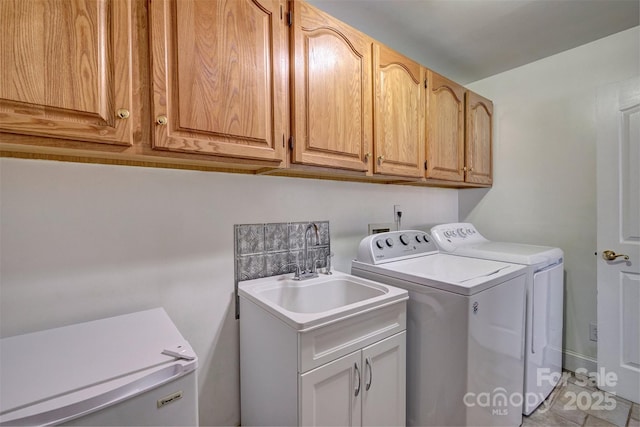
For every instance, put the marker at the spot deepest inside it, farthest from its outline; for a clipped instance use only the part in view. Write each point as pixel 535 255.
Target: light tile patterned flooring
pixel 577 402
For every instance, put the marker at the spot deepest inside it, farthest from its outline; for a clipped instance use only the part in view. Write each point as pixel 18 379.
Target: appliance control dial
pixel 404 239
pixel 461 232
pixel 425 238
pixel 380 244
pixel 389 242
pixel 418 238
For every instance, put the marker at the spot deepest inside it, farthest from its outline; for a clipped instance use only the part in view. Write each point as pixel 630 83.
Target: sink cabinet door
pixel 332 102
pixel 328 393
pixel 384 372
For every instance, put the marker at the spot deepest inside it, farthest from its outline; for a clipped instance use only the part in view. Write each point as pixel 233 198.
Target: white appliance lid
pixel 461 275
pixel 77 361
pixel 518 253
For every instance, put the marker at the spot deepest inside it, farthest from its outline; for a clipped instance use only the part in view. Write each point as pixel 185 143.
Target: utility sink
pixel 305 304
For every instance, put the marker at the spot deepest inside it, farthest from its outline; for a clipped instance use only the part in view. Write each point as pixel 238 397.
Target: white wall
pixel 545 164
pixel 82 241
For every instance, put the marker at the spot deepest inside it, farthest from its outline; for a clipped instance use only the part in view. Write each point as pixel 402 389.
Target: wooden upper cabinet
pixel 398 114
pixel 479 137
pixel 445 128
pixel 65 69
pixel 219 77
pixel 332 91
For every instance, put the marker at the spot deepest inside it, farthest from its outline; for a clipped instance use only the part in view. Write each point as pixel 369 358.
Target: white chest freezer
pixel 134 369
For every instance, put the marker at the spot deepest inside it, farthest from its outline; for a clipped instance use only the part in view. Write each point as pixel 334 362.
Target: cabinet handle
pixel 370 366
pixel 380 160
pixel 162 120
pixel 357 388
pixel 122 113
pixel 367 156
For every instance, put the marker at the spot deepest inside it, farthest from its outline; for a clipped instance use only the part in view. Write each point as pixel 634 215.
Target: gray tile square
pixel 597 422
pixel 635 412
pixel 276 237
pixel 296 235
pixel 546 419
pixel 277 264
pixel 324 232
pixel 616 413
pixel 565 405
pixel 251 267
pixel 249 239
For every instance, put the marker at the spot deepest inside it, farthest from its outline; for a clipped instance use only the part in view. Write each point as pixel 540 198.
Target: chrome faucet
pixel 308 273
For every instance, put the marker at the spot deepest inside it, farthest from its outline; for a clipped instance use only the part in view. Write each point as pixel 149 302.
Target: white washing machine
pixel 544 285
pixel 465 329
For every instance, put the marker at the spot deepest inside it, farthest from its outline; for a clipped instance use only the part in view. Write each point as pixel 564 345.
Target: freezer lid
pixel 82 361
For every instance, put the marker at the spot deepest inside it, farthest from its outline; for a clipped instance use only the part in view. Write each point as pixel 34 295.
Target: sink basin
pixel 310 303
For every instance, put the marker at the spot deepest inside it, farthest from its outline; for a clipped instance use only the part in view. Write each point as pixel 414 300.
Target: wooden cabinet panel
pixel 219 81
pixel 398 114
pixel 479 137
pixel 332 94
pixel 445 128
pixel 65 69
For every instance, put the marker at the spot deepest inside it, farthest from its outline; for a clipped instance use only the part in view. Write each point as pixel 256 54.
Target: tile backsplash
pixel 263 250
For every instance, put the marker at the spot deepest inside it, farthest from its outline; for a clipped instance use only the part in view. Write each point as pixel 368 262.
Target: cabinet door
pixel 398 114
pixel 330 394
pixel 219 77
pixel 332 101
pixel 384 382
pixel 445 128
pixel 65 69
pixel 479 137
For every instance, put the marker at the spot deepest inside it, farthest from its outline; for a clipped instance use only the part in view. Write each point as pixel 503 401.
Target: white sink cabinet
pixel 348 372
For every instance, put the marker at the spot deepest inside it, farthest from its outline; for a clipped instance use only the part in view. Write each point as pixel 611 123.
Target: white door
pixel 618 164
pixel 331 394
pixel 384 382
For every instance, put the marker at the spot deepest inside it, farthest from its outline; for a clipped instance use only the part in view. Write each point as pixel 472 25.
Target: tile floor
pixel 577 402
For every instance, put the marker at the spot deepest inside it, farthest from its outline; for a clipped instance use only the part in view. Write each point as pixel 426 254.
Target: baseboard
pixel 572 361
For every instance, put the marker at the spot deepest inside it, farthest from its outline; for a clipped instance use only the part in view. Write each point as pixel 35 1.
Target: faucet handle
pixel 297 275
pixel 327 262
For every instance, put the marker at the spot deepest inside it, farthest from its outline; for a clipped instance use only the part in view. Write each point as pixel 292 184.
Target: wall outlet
pixel 396 209
pixel 397 216
pixel 593 331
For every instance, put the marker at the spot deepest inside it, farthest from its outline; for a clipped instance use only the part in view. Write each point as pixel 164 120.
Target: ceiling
pixel 468 40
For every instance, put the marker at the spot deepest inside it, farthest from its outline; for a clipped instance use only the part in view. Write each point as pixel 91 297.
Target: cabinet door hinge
pixel 289 18
pixel 425 165
pixel 291 142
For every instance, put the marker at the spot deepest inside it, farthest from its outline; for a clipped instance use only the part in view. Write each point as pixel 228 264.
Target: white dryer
pixel 465 329
pixel 544 285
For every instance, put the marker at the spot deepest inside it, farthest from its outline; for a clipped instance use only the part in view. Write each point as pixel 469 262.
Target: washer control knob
pixel 418 239
pixel 389 242
pixel 425 238
pixel 404 239
pixel 461 232
pixel 447 234
pixel 380 244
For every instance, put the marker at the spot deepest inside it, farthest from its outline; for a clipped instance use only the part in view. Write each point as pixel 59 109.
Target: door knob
pixel 611 255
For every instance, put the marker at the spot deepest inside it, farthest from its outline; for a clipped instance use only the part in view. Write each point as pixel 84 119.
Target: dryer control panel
pixel 395 246
pixel 451 236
